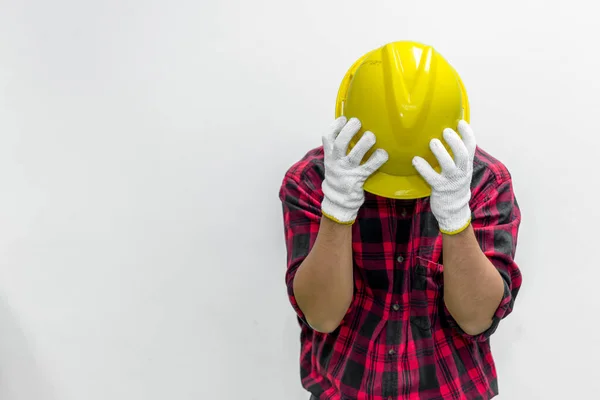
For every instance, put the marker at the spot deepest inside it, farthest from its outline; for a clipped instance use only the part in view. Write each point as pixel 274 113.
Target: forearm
pixel 324 284
pixel 473 287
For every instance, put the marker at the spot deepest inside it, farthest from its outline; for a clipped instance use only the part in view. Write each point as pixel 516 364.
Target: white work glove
pixel 344 174
pixel 451 190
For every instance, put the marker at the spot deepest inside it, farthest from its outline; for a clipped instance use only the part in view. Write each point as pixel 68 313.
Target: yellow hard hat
pixel 406 94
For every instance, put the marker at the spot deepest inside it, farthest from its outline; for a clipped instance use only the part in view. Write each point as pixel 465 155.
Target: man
pixel 398 294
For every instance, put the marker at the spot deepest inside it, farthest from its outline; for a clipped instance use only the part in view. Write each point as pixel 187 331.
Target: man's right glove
pixel 344 173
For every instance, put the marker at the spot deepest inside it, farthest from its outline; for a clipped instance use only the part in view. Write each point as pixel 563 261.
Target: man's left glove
pixel 451 190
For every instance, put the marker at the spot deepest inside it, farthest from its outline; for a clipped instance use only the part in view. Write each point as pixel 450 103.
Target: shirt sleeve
pixel 496 221
pixel 301 200
pixel 301 220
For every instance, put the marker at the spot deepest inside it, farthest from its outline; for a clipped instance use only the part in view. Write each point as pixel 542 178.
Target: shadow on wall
pixel 21 378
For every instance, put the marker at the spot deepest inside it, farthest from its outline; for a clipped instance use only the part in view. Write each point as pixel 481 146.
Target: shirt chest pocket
pixel 426 292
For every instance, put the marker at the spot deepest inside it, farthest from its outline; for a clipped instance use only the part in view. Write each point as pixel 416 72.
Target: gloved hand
pixel 344 174
pixel 451 190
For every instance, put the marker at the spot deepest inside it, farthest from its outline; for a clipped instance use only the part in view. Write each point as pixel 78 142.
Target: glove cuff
pixel 337 213
pixel 458 222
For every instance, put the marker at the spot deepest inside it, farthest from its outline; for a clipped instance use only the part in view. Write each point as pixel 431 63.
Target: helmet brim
pixel 398 187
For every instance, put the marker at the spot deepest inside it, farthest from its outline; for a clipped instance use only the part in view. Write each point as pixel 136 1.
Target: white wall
pixel 128 272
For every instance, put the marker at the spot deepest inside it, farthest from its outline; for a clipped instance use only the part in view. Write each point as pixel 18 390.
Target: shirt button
pixel 396 307
pixel 403 213
pixel 400 259
pixel 392 352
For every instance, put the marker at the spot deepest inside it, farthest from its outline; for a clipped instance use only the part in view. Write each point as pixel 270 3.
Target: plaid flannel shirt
pixel 398 340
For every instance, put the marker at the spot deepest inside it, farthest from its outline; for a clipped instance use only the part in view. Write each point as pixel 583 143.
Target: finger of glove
pixel 468 137
pixel 332 133
pixel 426 171
pixel 340 146
pixel 377 159
pixel 442 155
pixel 461 154
pixel 361 148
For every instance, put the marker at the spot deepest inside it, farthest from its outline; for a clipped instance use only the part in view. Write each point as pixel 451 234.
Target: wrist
pixel 330 228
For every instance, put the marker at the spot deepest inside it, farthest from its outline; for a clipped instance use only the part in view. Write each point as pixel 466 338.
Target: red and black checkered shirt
pixel 398 340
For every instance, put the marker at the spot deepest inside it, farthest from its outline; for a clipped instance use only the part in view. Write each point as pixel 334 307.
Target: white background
pixel 142 145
